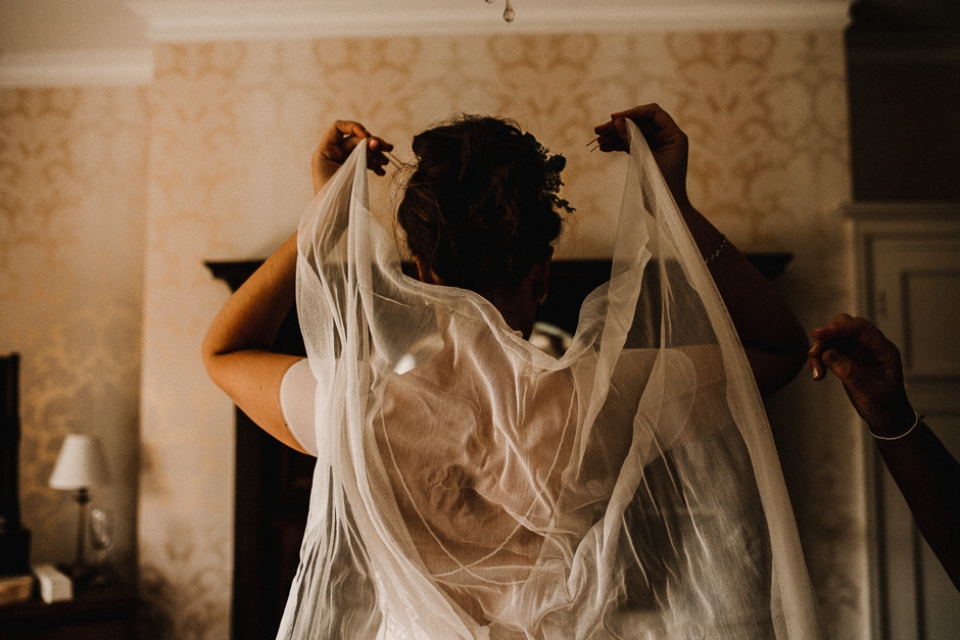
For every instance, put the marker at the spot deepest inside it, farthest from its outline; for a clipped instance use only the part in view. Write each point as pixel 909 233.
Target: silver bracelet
pixel 716 252
pixel 902 435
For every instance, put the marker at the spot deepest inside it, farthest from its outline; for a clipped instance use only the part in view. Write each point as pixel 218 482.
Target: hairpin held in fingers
pixel 393 160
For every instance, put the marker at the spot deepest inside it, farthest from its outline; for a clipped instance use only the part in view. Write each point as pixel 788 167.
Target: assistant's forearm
pixel 929 478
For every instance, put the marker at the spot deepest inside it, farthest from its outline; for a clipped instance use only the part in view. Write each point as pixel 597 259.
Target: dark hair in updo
pixel 474 210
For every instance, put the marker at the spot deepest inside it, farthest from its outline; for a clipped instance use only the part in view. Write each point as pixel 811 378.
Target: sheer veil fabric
pixel 469 485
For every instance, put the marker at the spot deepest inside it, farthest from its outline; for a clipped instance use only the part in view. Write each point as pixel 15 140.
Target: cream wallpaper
pixel 228 129
pixel 72 212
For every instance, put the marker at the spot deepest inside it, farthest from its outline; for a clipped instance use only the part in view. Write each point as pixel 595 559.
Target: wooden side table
pixel 91 615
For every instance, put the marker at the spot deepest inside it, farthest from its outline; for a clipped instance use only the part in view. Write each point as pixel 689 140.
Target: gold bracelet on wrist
pixel 716 252
pixel 916 421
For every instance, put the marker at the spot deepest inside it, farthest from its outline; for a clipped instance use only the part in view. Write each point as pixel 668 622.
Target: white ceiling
pixel 109 41
pixel 68 24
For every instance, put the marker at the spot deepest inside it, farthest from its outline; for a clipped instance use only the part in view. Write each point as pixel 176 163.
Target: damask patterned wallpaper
pixel 229 129
pixel 72 205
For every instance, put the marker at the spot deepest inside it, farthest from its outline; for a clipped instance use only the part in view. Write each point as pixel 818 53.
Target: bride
pixel 469 485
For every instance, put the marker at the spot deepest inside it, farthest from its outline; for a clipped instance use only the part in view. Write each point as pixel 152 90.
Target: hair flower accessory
pixel 553 165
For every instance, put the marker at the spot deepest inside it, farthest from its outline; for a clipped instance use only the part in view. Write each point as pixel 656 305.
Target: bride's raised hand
pixel 336 146
pixel 668 143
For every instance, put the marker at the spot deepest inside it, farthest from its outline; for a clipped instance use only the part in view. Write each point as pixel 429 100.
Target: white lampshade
pixel 80 465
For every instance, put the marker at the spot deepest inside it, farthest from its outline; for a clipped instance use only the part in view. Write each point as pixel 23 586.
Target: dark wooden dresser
pixel 91 615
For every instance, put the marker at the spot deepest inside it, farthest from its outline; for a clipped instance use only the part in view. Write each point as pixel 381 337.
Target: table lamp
pixel 80 465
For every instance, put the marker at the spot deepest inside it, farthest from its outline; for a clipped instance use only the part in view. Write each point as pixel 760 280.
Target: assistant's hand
pixel 668 143
pixel 337 144
pixel 869 367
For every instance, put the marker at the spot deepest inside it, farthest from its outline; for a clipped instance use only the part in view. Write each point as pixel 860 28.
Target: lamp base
pixel 78 570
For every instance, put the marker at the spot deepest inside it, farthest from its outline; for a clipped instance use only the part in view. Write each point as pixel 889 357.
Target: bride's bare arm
pixel 236 349
pixel 772 336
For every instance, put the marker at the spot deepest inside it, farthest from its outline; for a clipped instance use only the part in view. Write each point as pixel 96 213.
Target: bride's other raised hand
pixel 667 141
pixel 336 146
pixel 772 336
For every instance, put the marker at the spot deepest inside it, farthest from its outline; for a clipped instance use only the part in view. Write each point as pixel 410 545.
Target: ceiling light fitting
pixel 508 12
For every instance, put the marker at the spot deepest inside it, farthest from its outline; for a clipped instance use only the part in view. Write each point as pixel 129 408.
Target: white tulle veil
pixel 469 485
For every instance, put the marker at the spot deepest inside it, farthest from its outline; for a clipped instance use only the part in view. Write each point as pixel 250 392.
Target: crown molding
pixel 218 20
pixel 81 67
pixel 224 20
